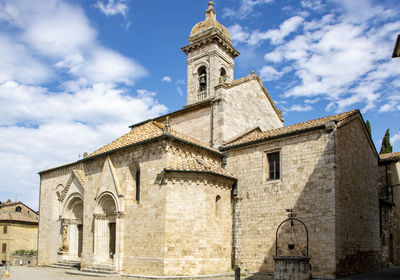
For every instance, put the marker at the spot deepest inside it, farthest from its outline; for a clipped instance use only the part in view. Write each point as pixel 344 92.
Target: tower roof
pixel 210 23
pixel 210 30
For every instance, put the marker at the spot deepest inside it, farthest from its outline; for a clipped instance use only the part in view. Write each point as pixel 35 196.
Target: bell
pixel 202 80
pixel 291 246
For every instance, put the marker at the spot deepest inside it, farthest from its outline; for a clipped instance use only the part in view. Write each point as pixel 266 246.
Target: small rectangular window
pixel 4 248
pixel 4 229
pixel 137 185
pixel 274 166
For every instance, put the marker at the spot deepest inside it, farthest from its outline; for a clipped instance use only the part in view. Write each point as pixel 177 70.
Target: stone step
pixel 102 269
pixel 67 264
pixel 93 273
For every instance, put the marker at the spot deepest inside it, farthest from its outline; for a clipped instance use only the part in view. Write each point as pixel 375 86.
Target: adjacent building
pixel 18 229
pixel 203 189
pixel 389 167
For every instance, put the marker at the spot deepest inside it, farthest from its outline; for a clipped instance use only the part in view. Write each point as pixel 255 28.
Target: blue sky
pixel 75 74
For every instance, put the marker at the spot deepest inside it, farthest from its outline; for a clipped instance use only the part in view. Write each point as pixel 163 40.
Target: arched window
pixel 202 72
pixel 218 206
pixel 18 209
pixel 222 75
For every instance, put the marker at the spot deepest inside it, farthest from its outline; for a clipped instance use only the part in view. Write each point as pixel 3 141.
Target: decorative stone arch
pixel 58 191
pixel 72 227
pixel 104 200
pixel 107 230
pixel 199 65
pixel 201 75
pixel 223 74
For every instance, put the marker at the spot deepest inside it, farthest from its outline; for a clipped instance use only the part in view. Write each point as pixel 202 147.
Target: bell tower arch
pixel 210 58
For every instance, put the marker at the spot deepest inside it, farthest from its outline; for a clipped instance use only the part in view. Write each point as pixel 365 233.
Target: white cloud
pixel 180 91
pixel 237 33
pixel 312 101
pixel 245 9
pixel 60 126
pixel 52 42
pixel 61 33
pixel 315 5
pixel 395 138
pixel 276 36
pixel 300 108
pixel 18 63
pixel 167 79
pixel 112 7
pixel 336 58
pixel 268 73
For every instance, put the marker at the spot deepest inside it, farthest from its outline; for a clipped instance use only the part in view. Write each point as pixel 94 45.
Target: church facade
pixel 203 189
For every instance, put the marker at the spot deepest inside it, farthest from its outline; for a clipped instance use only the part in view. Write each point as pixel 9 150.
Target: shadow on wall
pixel 337 249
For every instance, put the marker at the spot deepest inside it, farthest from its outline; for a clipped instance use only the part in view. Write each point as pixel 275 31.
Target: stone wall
pixel 390 212
pixel 17 260
pixel 50 209
pixel 196 123
pixel 140 228
pixel 198 224
pixel 140 224
pixel 19 236
pixel 357 200
pixel 307 186
pixel 244 106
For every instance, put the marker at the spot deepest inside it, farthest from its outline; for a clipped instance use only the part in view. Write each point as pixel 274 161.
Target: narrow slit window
pixel 4 248
pixel 274 166
pixel 5 229
pixel 218 206
pixel 137 185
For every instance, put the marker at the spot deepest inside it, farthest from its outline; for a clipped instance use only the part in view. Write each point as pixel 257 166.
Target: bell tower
pixel 210 58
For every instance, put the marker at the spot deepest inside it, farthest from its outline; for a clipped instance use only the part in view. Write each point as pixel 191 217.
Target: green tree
pixel 368 128
pixel 386 147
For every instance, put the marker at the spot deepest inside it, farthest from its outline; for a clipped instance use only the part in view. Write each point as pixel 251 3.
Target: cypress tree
pixel 368 128
pixel 386 147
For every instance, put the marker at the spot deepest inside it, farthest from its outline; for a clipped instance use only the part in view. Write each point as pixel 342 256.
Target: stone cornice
pixel 206 39
pixel 214 180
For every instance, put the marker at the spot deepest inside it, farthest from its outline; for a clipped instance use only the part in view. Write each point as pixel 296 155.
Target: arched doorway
pixel 72 227
pixel 105 229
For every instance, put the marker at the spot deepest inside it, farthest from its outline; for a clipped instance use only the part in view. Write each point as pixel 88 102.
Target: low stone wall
pixel 23 260
pixel 292 268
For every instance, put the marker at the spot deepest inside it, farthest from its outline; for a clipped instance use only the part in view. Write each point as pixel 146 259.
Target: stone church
pixel 204 188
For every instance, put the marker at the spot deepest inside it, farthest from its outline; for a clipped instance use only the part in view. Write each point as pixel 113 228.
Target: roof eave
pixel 269 138
pixel 199 172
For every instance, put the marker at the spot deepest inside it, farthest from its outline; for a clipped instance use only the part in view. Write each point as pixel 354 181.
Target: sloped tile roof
pixel 390 157
pixel 287 130
pixel 145 132
pixel 199 165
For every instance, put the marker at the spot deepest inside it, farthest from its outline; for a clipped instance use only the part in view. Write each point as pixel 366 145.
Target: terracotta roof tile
pixel 390 157
pixel 291 128
pixel 144 132
pixel 199 165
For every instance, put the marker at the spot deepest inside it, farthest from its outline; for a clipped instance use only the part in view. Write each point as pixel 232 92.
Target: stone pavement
pixel 49 273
